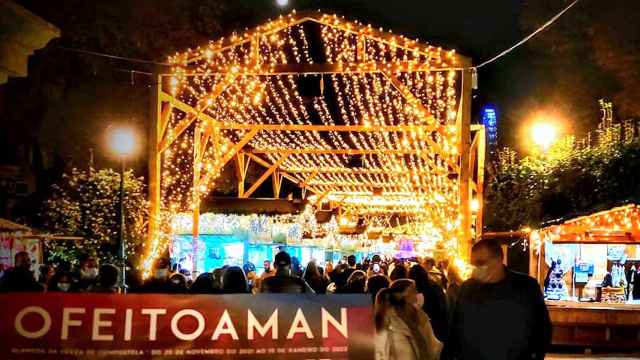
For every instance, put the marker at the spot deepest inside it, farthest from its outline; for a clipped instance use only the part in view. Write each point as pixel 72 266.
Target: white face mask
pixel 64 286
pixel 89 274
pixel 481 273
pixel 160 274
pixel 420 300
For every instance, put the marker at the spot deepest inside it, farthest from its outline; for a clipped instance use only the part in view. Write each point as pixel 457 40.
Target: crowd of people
pixel 423 309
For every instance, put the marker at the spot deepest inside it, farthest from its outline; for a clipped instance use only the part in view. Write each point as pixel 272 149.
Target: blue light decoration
pixel 490 122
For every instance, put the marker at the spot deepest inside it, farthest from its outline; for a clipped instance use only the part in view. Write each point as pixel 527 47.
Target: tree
pixel 567 181
pixel 591 52
pixel 86 204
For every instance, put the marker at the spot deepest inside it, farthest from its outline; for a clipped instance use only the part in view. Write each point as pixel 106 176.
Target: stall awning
pixel 6 225
pixel 619 225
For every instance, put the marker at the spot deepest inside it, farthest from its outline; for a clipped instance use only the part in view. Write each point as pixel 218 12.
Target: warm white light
pixel 475 205
pixel 282 3
pixel 544 134
pixel 122 141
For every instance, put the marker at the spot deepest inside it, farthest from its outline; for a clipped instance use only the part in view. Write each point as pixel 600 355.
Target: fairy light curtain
pixel 390 101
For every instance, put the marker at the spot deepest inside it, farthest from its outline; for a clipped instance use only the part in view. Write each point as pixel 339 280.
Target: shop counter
pixel 595 324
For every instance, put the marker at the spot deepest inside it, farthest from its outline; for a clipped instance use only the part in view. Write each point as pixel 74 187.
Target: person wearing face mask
pixel 435 300
pixel 87 273
pixel 159 281
pixel 499 314
pixel 20 277
pixel 61 282
pixel 283 281
pixel 403 330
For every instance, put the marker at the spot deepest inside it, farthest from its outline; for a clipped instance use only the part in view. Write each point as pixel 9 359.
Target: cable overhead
pixel 483 64
pixel 543 27
pixel 116 57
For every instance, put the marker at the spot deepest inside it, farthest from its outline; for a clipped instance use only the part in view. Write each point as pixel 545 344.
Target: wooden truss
pixel 466 163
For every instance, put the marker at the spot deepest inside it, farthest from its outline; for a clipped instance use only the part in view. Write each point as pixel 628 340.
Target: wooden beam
pixel 277 183
pixel 242 166
pixel 482 141
pixel 336 151
pixel 164 117
pixel 286 175
pixel 366 67
pixel 417 103
pixel 155 166
pixel 363 184
pixel 356 171
pixel 463 127
pixel 327 128
pixel 473 150
pixel 232 152
pixel 264 177
pixel 350 27
pixel 193 113
pixel 321 197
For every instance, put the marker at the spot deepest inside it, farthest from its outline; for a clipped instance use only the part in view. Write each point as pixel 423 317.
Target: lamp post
pixel 122 142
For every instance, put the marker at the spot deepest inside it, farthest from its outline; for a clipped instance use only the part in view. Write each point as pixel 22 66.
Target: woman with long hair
pixel 356 283
pixel 435 300
pixel 403 330
pixel 317 281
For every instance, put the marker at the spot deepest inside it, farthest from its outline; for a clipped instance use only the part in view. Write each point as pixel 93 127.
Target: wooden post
pixel 482 143
pixel 464 129
pixel 196 198
pixel 242 165
pixel 277 184
pixel 155 129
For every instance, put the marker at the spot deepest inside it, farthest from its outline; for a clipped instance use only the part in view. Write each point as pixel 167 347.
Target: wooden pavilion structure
pixel 308 95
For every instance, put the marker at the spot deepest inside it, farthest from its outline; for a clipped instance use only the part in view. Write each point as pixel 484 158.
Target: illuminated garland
pixel 232 82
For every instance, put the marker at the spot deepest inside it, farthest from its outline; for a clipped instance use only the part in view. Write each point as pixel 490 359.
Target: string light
pixel 377 79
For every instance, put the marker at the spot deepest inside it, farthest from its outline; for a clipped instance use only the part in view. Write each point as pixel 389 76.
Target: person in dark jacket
pixel 108 277
pixel 178 284
pixel 376 283
pixel 283 281
pixel 20 277
pixel 435 300
pixel 159 281
pixel 234 281
pixel 499 314
pixel 315 279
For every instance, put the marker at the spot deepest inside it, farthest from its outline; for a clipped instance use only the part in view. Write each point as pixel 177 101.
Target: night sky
pixel 534 76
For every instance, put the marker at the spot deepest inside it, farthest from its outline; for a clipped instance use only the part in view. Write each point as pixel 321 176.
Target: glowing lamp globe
pixel 544 134
pixel 122 142
pixel 282 3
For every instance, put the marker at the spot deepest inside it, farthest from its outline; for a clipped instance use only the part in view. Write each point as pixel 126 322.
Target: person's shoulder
pixel 518 276
pixel 523 279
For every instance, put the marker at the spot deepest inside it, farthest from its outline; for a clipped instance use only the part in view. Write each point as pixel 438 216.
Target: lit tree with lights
pixel 85 204
pixel 572 177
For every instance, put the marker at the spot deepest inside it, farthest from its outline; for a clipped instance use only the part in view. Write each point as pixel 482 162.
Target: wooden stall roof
pixel 619 225
pixel 6 225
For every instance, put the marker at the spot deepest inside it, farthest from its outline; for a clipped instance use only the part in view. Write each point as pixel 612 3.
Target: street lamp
pixel 282 3
pixel 544 134
pixel 122 143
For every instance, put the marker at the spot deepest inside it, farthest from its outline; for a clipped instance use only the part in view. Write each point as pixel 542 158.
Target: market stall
pixel 589 270
pixel 15 238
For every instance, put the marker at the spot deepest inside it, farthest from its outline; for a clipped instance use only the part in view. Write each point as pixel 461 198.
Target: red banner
pixel 274 326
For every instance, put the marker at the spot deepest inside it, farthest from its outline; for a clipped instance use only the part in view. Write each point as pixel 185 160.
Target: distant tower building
pixel 490 122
